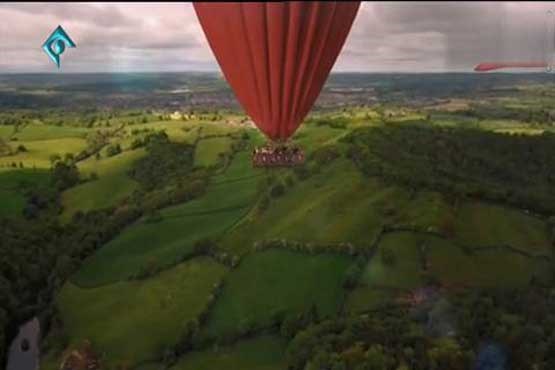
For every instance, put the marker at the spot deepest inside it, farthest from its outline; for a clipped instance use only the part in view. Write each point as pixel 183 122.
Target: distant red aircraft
pixel 491 66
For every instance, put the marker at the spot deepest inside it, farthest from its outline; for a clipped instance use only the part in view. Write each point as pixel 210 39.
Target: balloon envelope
pixel 276 56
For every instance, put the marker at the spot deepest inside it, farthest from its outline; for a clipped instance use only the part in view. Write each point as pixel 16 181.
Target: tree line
pixel 503 329
pixel 512 169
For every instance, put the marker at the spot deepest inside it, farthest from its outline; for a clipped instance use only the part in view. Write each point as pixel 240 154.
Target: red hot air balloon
pixel 276 56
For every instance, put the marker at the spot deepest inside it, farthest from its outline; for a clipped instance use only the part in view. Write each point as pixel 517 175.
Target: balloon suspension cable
pixel 278 153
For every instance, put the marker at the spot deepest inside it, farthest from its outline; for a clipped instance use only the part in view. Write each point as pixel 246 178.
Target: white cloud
pixel 389 36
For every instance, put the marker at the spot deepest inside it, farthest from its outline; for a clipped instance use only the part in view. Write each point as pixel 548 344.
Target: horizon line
pixel 220 73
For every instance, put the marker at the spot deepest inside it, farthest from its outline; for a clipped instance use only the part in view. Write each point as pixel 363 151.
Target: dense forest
pixel 506 327
pixel 514 169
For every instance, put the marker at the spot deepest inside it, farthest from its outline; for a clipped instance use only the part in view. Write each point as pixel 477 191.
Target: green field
pixel 208 151
pixel 312 136
pixel 380 284
pixel 365 298
pixel 404 272
pixel 480 224
pixel 179 131
pixel 22 178
pixel 113 183
pixel 13 185
pixel 217 128
pixel 6 132
pixel 428 211
pixel 35 132
pixel 239 169
pixel 39 151
pixel 336 205
pixel 133 322
pixel 109 166
pixel 446 262
pixel 172 238
pixel 235 188
pixel 504 125
pixel 11 203
pixel 277 282
pixel 261 353
pixel 157 244
pixel 484 268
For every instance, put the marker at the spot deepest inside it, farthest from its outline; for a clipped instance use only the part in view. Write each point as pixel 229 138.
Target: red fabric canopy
pixel 277 56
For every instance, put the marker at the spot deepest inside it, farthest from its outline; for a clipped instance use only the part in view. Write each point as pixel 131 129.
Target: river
pixel 24 350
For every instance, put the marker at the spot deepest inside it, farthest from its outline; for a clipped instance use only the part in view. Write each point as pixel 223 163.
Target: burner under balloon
pixel 280 156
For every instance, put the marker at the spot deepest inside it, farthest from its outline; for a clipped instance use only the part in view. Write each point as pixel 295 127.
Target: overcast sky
pixel 389 36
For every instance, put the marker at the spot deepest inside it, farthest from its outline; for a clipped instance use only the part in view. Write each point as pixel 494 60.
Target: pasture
pixel 130 322
pixel 12 203
pixel 482 268
pixel 427 211
pixel 6 132
pixel 481 224
pixel 39 151
pixel 274 283
pixel 13 185
pixel 151 245
pixel 259 353
pixel 336 205
pixel 34 132
pixel 364 298
pixel 113 184
pixel 210 128
pixel 312 136
pixel 172 238
pixel 208 151
pixel 178 131
pixel 403 271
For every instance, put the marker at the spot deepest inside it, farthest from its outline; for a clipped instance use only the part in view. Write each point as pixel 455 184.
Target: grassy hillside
pixel 404 271
pixel 13 186
pixel 39 151
pixel 275 283
pixel 12 203
pixel 364 298
pixel 6 132
pixel 482 268
pixel 35 132
pixel 426 211
pixel 335 205
pixel 112 185
pixel 150 245
pixel 178 131
pixel 261 353
pixel 208 151
pixel 312 136
pixel 481 224
pixel 413 235
pixel 133 322
pixel 170 239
